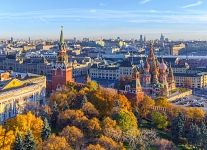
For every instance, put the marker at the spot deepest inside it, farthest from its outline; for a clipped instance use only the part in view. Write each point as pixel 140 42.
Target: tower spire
pixel 61 36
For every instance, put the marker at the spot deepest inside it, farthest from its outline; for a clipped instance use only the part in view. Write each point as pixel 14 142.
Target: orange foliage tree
pixel 162 102
pixel 56 143
pixel 7 138
pixel 144 106
pixel 95 147
pixel 72 117
pixel 73 135
pixel 24 122
pixel 109 143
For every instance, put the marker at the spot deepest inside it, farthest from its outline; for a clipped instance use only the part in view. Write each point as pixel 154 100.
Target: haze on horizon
pixel 37 19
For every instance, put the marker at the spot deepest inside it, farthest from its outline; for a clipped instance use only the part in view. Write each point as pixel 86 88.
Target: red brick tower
pixel 62 70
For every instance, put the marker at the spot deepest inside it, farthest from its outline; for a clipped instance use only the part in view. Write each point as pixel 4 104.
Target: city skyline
pixel 95 19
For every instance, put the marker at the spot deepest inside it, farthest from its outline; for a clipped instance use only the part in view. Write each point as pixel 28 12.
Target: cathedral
pixel 153 79
pixel 156 78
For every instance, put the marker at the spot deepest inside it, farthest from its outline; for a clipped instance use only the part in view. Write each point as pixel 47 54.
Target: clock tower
pixel 62 70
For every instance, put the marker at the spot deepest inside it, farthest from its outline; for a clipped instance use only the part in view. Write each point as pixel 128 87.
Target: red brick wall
pixel 61 77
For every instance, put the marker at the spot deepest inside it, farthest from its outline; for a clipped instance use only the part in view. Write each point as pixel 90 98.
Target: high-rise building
pixel 141 38
pixel 162 38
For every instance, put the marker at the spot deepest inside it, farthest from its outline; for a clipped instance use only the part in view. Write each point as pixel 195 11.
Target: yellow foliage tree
pixel 94 127
pixel 109 143
pixel 105 99
pixel 162 102
pixel 56 143
pixel 195 113
pixel 24 122
pixel 124 102
pixel 92 86
pixel 84 91
pixel 95 147
pixel 127 121
pixel 7 138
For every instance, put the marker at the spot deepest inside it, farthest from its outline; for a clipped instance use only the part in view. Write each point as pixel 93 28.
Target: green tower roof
pixel 61 36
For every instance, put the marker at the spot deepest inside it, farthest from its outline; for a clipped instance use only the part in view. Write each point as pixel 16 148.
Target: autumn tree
pixel 111 129
pixel 124 102
pixel 72 118
pixel 56 143
pixel 64 99
pixel 89 110
pixel 73 135
pixel 104 100
pixel 94 127
pixel 95 147
pixel 24 122
pixel 162 102
pixel 144 106
pixel 7 137
pixel 108 143
pixel 92 86
pixel 159 120
pixel 196 113
pixel 60 99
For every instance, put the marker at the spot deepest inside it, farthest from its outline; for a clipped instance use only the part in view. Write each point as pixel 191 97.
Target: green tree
pixel 177 127
pixel 137 115
pixel 203 137
pixel 29 143
pixel 84 100
pixel 54 116
pixel 159 120
pixel 46 130
pixel 127 122
pixel 18 143
pixel 194 135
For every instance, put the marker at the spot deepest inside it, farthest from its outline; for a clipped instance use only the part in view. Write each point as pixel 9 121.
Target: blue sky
pixel 178 19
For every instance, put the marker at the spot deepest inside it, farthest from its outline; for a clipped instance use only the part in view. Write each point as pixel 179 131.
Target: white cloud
pixel 193 4
pixel 144 1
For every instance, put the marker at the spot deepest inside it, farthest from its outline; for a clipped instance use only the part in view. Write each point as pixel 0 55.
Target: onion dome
pixel 163 66
pixel 146 65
